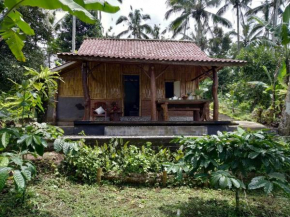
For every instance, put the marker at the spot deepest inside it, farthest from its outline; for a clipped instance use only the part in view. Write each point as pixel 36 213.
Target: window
pixel 169 89
pixel 172 88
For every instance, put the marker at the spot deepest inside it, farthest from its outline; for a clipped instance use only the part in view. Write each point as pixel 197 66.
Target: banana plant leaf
pixel 13 28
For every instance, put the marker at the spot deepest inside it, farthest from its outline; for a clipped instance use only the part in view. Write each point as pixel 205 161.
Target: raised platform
pixel 150 128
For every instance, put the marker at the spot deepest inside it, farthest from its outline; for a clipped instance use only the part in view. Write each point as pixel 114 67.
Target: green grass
pixel 53 196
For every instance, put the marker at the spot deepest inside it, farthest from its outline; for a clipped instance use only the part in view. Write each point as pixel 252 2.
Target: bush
pixel 15 144
pixel 231 159
pixel 118 158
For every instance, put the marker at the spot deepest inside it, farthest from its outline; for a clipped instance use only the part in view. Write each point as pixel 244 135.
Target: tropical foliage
pixel 31 97
pixel 83 30
pixel 196 10
pixel 228 160
pixel 116 157
pixel 16 144
pixel 136 27
pixel 13 28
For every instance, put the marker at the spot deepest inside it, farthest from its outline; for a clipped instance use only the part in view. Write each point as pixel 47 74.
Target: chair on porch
pixel 98 105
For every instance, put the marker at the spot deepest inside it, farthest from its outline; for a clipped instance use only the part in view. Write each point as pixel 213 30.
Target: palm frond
pixel 178 21
pixel 255 10
pixel 223 9
pixel 122 33
pixel 213 3
pixel 172 10
pixel 223 21
pixel 146 17
pixel 121 19
pixel 177 32
pixel 147 28
pixel 143 35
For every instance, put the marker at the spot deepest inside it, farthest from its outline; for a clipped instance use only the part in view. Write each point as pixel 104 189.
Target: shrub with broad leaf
pixel 228 159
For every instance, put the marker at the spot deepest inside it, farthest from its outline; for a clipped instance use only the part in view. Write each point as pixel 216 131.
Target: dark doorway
pixel 131 95
pixel 169 89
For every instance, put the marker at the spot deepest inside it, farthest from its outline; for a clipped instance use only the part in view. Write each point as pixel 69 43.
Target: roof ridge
pixel 136 39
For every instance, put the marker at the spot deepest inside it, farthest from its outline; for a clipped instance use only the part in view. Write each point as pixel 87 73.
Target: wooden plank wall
pixel 105 82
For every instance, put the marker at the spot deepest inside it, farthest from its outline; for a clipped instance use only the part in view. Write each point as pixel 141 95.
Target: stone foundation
pixel 156 130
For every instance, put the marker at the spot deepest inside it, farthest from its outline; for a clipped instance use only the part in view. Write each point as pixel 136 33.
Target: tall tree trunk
pixel 284 127
pixel 186 22
pixel 238 27
pixel 275 18
pixel 73 48
pixel 199 30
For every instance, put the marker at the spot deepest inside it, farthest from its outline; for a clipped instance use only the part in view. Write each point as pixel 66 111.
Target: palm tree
pixel 202 40
pixel 220 42
pixel 270 10
pixel 251 33
pixel 239 6
pixel 135 26
pixel 157 34
pixel 196 10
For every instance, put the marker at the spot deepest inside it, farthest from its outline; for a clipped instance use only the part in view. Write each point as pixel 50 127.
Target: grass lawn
pixel 54 196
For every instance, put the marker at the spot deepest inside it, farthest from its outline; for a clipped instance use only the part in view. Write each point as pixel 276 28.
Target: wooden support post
pixel 165 111
pixel 99 176
pixel 86 91
pixel 164 178
pixel 215 95
pixel 54 114
pixel 153 94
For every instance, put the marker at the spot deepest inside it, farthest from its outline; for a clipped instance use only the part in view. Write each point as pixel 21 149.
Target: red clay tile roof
pixel 158 50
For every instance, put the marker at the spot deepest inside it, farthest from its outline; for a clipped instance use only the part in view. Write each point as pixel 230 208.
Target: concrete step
pixel 155 130
pixel 68 130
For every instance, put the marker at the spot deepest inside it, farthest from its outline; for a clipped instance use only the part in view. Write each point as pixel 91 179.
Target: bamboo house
pixel 136 81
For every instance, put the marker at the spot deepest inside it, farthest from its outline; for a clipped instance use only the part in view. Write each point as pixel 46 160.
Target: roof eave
pixel 74 57
pixel 63 66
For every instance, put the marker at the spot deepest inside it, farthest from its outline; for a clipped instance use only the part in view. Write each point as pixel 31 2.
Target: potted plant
pixel 115 112
pixel 199 93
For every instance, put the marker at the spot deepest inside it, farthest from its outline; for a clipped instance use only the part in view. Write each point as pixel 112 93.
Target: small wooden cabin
pixel 136 74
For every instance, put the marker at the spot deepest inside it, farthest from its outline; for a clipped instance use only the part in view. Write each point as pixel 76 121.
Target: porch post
pixel 215 95
pixel 153 94
pixel 86 91
pixel 54 114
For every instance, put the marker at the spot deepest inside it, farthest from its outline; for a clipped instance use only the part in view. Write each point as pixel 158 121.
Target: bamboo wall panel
pixel 106 82
pixel 190 74
pixel 184 74
pixel 145 84
pixel 72 85
pixel 130 70
pixel 113 81
pixel 97 82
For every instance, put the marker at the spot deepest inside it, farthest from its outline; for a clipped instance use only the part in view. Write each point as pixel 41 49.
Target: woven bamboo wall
pixel 106 83
pixel 72 85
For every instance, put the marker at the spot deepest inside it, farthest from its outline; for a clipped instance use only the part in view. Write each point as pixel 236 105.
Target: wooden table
pixel 200 108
